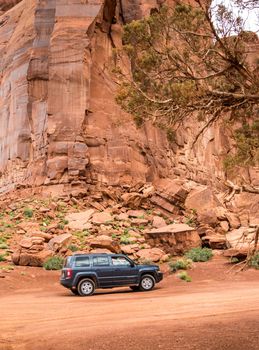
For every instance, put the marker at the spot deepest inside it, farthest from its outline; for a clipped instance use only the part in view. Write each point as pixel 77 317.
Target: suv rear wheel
pixel 86 287
pixel 147 283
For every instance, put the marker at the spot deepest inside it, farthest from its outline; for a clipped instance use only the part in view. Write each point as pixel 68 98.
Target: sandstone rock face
pixel 60 124
pixel 59 120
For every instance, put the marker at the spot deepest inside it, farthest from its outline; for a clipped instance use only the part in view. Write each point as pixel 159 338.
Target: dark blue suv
pixel 83 273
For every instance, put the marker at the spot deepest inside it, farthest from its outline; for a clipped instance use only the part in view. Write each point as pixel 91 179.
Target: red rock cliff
pixel 59 122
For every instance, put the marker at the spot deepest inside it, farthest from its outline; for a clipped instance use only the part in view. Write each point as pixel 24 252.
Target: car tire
pixel 147 283
pixel 86 287
pixel 74 291
pixel 134 288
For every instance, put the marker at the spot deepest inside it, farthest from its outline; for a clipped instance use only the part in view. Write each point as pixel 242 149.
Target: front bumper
pixel 159 276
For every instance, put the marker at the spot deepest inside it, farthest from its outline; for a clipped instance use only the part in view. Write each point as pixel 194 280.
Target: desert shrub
pixel 124 239
pixel 54 263
pixel 73 247
pixel 234 260
pixel 28 212
pixel 3 246
pixel 2 257
pixel 254 261
pixel 181 264
pixel 199 254
pixel 184 276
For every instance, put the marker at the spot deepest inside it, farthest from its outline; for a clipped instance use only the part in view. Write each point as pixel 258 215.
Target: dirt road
pixel 207 314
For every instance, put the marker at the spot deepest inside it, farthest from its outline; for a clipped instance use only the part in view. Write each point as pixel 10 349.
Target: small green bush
pixel 28 212
pixel 54 263
pixel 2 257
pixel 73 247
pixel 234 260
pixel 254 261
pixel 199 254
pixel 184 276
pixel 3 246
pixel 181 264
pixel 124 240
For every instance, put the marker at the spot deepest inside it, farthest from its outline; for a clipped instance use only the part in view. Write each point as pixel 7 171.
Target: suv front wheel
pixel 86 287
pixel 147 283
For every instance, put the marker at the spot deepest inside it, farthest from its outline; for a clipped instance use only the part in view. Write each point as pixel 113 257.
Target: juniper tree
pixel 192 61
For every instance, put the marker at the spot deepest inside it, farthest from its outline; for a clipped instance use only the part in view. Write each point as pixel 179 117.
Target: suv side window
pixel 82 261
pixel 120 260
pixel 101 261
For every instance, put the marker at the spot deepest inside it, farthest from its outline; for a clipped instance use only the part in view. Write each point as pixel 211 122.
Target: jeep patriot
pixel 83 273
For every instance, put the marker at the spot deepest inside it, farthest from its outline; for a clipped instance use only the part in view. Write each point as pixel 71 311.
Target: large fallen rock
pixel 60 242
pixel 242 239
pixel 204 202
pixel 175 238
pixel 101 218
pixel 80 221
pixel 152 254
pixel 158 221
pixel 170 195
pixel 27 258
pixel 105 242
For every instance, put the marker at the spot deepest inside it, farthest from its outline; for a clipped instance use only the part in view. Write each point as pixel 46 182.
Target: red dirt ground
pixel 216 311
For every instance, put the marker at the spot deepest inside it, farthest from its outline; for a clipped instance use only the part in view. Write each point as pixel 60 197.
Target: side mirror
pixel 132 264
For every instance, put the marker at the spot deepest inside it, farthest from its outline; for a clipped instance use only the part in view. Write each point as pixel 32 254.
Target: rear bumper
pixel 67 283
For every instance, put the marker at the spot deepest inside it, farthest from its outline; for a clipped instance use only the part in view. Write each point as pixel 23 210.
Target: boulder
pixel 101 218
pixel 241 239
pixel 80 221
pixel 105 242
pixel 175 238
pixel 224 225
pixel 122 217
pixel 215 241
pixel 136 213
pixel 59 242
pixel 153 254
pixel 158 221
pixel 170 195
pixel 133 199
pixel 26 243
pixel 25 258
pixel 233 220
pixel 205 203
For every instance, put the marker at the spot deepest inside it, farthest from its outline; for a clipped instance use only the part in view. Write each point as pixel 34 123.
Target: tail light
pixel 68 273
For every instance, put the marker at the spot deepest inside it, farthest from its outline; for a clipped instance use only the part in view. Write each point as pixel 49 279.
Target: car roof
pixel 98 254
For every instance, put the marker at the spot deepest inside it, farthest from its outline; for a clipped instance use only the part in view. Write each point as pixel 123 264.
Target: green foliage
pixel 3 246
pixel 125 239
pixel 73 247
pixel 28 212
pixel 54 263
pixel 234 260
pixel 184 276
pixel 2 257
pixel 181 264
pixel 254 261
pixel 199 254
pixel 7 267
pixel 184 63
pixel 247 147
